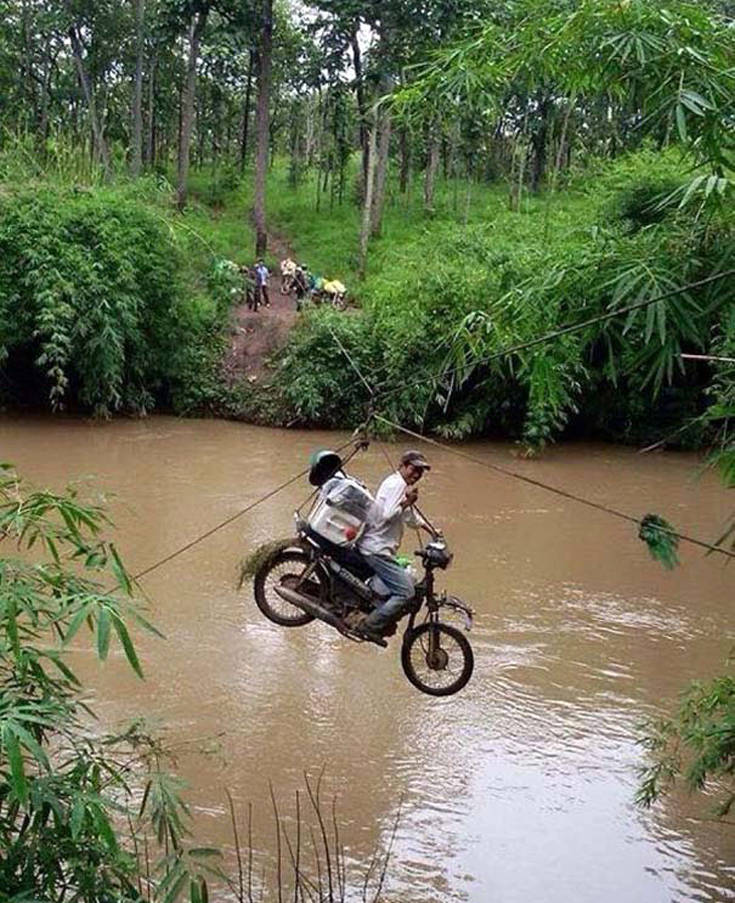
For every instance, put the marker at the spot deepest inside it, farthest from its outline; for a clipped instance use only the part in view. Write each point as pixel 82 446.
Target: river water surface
pixel 518 789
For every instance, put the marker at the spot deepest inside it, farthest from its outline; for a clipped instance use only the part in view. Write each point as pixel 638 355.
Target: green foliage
pixel 698 744
pixel 661 539
pixel 316 380
pixel 67 788
pixel 225 284
pixel 108 305
pixel 644 203
pixel 444 300
pixel 88 295
pixel 669 68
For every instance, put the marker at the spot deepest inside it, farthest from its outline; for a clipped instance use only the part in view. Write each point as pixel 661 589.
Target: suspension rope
pixel 352 362
pixel 518 476
pixel 504 352
pixel 222 524
pixel 546 486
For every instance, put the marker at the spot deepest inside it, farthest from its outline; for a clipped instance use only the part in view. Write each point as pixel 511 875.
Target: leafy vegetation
pixel 697 743
pixel 442 302
pixel 87 282
pixel 107 304
pixel 72 818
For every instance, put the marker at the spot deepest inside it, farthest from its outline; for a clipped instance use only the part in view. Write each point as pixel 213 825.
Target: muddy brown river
pixel 518 789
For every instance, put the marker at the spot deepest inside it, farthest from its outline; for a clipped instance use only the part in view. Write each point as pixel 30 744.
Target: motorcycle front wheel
pixel 437 659
pixel 285 568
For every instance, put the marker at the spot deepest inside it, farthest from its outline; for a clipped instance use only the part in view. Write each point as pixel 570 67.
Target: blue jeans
pixel 401 587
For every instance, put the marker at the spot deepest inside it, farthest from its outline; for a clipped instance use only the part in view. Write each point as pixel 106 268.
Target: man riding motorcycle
pixel 379 543
pixel 320 574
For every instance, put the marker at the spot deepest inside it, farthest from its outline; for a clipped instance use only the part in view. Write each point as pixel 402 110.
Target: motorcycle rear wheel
pixel 437 659
pixel 286 566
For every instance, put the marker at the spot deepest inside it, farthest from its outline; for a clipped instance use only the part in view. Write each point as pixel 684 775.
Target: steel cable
pixel 564 493
pixel 226 522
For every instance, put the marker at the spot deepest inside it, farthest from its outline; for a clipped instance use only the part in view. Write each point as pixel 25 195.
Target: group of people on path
pixel 305 285
pixel 296 279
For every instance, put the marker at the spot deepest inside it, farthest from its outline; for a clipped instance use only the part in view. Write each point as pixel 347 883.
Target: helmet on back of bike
pixel 324 464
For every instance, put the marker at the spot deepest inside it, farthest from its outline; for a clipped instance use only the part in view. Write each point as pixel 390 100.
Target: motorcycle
pixel 313 577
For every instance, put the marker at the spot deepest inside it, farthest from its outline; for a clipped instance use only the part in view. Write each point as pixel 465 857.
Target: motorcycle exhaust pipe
pixel 309 606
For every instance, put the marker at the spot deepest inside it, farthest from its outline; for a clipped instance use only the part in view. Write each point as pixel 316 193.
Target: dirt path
pixel 257 334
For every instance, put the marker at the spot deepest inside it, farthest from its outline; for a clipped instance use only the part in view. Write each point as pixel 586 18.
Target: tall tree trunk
pixel 405 160
pixel 318 136
pixel 200 130
pixel 151 124
pixel 368 204
pixel 326 155
pixel 27 88
pixel 136 157
pixel 539 140
pixel 216 131
pixel 99 138
pixel 43 124
pixel 262 130
pixel 381 172
pixel 294 168
pixel 432 164
pixel 187 106
pixel 361 105
pixel 381 163
pixel 246 111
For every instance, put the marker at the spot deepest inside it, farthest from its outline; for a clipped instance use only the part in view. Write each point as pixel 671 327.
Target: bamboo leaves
pixel 661 66
pixel 11 748
pixel 65 790
pixel 88 285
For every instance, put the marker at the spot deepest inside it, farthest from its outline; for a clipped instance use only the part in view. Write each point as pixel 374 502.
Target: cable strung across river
pixel 496 467
pixel 530 480
pixel 564 493
pixel 222 524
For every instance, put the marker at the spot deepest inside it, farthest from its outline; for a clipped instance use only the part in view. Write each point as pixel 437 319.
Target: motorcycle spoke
pixel 439 677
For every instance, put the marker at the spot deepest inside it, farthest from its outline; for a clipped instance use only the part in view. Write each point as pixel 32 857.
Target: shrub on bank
pixel 91 307
pixel 449 297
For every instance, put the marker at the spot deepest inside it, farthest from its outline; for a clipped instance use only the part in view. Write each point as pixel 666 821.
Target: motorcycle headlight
pixel 439 555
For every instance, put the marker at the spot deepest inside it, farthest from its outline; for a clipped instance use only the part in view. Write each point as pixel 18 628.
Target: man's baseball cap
pixel 415 458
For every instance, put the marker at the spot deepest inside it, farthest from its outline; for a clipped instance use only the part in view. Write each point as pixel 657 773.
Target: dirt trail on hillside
pixel 258 334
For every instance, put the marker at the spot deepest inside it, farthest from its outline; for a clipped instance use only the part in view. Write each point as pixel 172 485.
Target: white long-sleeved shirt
pixel 384 530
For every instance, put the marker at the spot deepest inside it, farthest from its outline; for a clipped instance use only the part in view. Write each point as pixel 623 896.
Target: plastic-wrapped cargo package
pixel 341 510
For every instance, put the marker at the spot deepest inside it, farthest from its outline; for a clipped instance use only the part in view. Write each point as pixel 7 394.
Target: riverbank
pixel 445 297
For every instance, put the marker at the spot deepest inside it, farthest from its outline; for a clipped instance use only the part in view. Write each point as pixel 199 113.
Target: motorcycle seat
pixel 347 557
